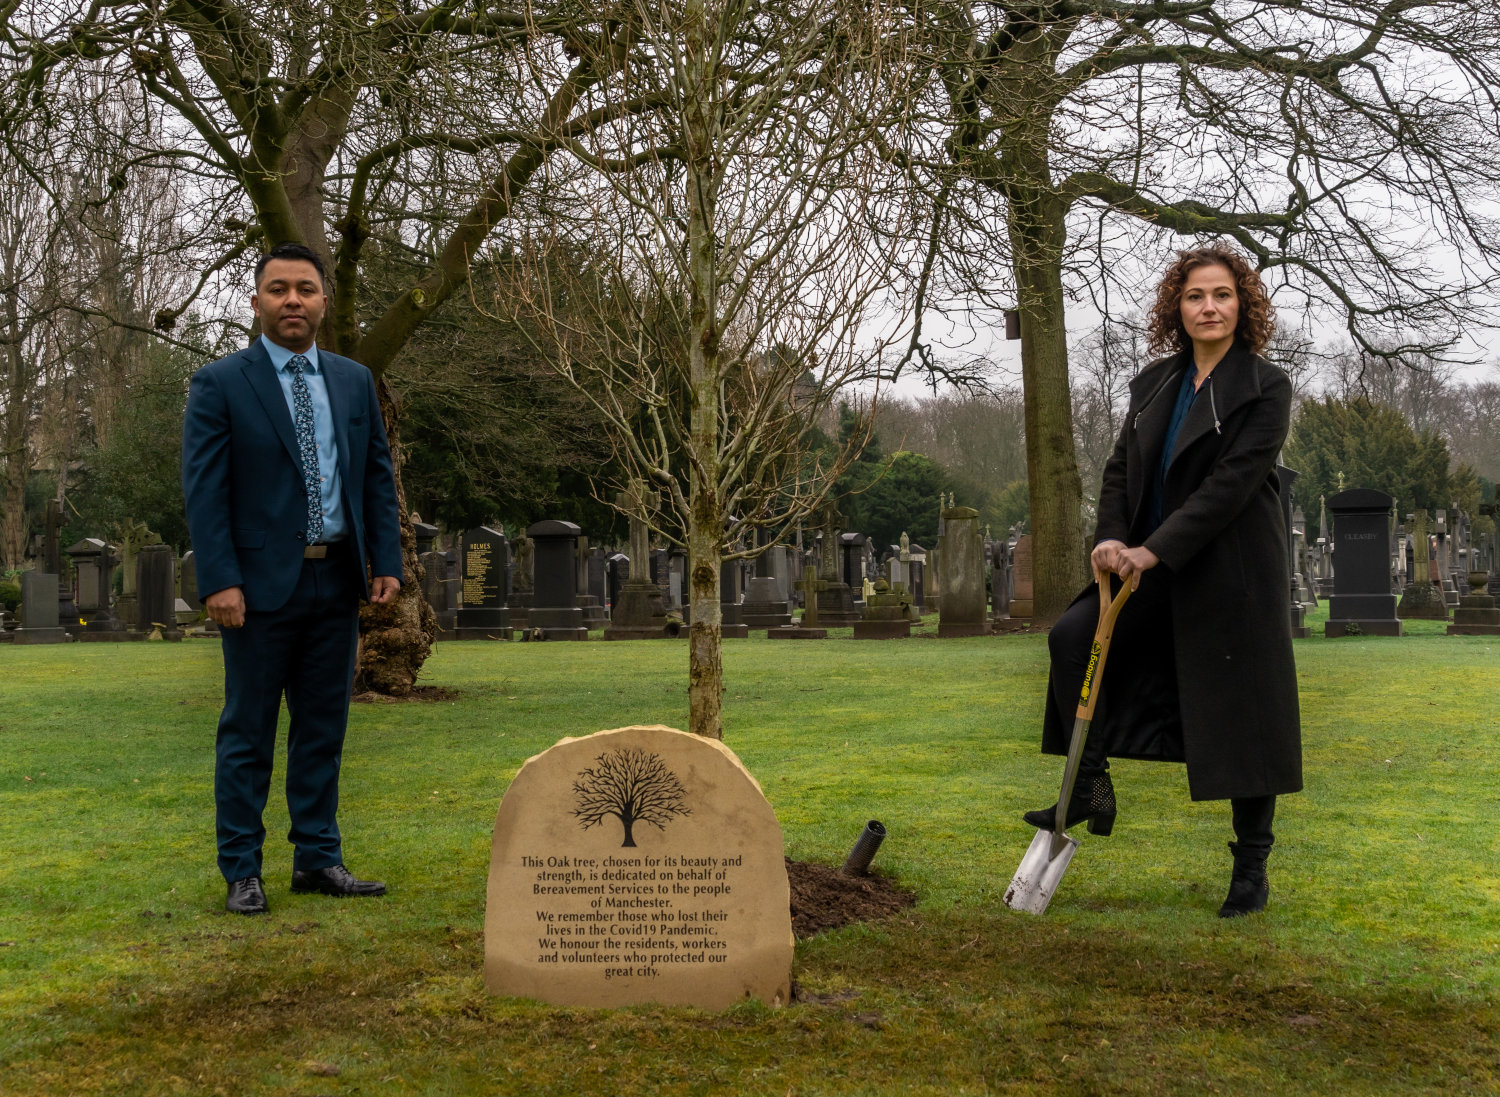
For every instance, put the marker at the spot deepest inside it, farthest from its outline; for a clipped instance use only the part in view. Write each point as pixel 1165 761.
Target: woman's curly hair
pixel 1257 319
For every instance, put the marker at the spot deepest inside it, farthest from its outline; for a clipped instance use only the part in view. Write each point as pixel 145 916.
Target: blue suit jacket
pixel 242 476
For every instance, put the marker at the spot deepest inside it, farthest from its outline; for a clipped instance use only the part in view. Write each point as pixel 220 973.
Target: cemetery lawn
pixel 1375 970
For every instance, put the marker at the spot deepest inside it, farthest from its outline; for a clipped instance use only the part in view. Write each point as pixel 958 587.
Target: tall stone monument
pixel 637 611
pixel 964 603
pixel 1362 602
pixel 639 865
pixel 1022 604
pixel 1421 599
pixel 156 590
pixel 39 622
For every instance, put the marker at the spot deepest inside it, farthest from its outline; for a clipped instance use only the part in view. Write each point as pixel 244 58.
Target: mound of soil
pixel 824 898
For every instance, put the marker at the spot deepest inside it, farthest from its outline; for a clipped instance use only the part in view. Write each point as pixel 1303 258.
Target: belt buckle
pixel 315 552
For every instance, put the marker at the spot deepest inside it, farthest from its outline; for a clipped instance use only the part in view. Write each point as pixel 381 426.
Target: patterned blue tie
pixel 307 445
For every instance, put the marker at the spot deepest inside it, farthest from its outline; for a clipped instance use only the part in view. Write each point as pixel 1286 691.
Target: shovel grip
pixel 1109 613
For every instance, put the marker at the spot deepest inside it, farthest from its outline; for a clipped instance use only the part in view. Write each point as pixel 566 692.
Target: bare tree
pixel 741 269
pixel 631 785
pixel 420 125
pixel 1340 142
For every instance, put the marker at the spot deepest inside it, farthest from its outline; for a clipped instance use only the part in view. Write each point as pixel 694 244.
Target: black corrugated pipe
pixel 858 861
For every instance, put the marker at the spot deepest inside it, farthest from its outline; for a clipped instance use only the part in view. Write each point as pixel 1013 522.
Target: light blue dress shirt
pixel 335 525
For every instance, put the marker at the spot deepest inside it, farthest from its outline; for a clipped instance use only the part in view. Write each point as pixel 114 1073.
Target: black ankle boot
pixel 1093 799
pixel 1248 887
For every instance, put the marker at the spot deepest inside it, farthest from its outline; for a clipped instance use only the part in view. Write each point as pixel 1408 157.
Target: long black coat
pixel 1223 545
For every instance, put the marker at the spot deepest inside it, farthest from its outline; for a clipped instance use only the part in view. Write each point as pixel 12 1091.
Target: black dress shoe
pixel 247 896
pixel 334 880
pixel 1093 799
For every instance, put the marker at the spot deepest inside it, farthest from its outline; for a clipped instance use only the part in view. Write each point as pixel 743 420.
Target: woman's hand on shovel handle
pixel 1127 563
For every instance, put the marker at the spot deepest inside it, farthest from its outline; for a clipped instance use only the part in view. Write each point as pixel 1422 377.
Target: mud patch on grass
pixel 823 898
pixel 427 694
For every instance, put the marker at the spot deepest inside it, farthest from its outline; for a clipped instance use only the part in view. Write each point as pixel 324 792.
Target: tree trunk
pixel 705 534
pixel 1037 228
pixel 395 639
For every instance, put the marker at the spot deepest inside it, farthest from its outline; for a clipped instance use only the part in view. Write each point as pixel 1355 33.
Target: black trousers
pixel 305 651
pixel 1141 648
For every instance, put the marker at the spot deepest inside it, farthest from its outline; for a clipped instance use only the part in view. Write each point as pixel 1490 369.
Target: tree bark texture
pixel 1037 227
pixel 705 533
pixel 395 639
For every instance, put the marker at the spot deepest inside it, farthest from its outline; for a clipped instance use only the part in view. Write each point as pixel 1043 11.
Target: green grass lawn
pixel 1376 968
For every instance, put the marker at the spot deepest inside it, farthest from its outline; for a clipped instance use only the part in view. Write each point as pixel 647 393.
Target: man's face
pixel 290 303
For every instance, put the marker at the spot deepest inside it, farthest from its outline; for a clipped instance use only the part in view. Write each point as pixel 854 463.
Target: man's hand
pixel 1127 563
pixel 226 607
pixel 383 589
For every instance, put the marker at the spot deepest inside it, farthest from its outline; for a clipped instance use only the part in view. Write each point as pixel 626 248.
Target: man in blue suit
pixel 290 489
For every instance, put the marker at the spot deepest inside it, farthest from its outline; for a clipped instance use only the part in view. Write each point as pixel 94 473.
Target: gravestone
pixel 94 563
pixel 1421 599
pixel 731 624
pixel 765 605
pixel 156 591
pixel 1297 612
pixel 594 613
pixel 554 611
pixel 39 610
pixel 1444 561
pixel 482 614
pixel 1362 602
pixel 137 536
pixel 187 591
pixel 963 610
pixel 887 613
pixel 835 598
pixel 639 865
pixel 1000 580
pixel 1022 606
pixel 916 570
pixel 852 564
pixel 809 628
pixel 1476 614
pixel 636 610
pixel 522 591
pixel 616 571
pixel 597 586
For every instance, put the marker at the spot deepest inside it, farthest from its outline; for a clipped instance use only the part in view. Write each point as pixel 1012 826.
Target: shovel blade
pixel 1034 882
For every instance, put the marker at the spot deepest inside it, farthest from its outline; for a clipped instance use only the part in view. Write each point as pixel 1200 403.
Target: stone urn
pixel 1478 581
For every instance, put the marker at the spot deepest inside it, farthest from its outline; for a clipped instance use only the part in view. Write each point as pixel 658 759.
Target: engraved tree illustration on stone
pixel 633 786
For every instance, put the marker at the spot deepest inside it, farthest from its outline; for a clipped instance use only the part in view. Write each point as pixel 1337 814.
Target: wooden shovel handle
pixel 1093 674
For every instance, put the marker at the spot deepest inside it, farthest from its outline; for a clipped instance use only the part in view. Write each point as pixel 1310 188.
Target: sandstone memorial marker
pixel 637 865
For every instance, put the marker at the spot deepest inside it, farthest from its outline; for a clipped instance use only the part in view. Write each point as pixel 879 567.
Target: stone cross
pixel 809 587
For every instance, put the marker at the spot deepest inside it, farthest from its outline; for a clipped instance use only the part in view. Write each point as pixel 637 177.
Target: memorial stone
pixel 639 865
pixel 616 571
pixel 852 554
pixel 1000 580
pixel 522 581
pixel 963 609
pixel 887 613
pixel 636 610
pixel 1421 599
pixel 765 605
pixel 39 623
pixel 731 624
pixel 594 613
pixel 1362 602
pixel 554 613
pixel 916 570
pixel 835 598
pixel 156 590
pixel 94 563
pixel 809 628
pixel 1297 612
pixel 1021 599
pixel 1476 614
pixel 482 614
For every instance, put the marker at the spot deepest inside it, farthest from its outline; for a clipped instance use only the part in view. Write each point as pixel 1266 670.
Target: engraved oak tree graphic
pixel 633 786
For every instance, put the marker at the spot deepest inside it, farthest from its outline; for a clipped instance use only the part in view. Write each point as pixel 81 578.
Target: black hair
pixel 292 251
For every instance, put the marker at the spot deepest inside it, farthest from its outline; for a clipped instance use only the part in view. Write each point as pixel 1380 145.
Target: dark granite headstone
pixel 484 559
pixel 555 614
pixel 1362 602
pixel 156 592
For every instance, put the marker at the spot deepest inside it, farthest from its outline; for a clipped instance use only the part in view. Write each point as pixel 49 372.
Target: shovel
pixel 1051 850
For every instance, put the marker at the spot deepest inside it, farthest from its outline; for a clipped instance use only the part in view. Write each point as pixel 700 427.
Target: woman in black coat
pixel 1200 669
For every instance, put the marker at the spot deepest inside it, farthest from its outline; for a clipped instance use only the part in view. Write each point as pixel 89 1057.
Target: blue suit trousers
pixel 304 651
